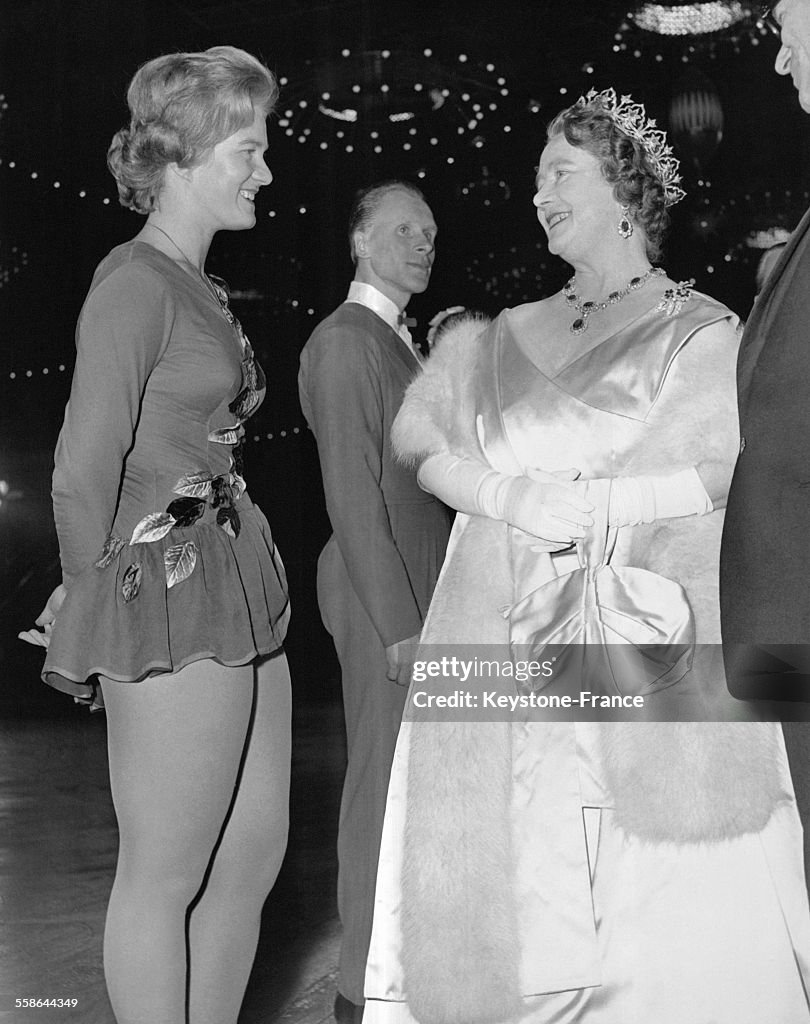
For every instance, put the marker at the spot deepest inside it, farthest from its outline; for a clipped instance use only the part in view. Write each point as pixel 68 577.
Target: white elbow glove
pixel 643 499
pixel 542 505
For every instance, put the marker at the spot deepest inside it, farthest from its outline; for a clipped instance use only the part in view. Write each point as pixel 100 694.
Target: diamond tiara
pixel 631 118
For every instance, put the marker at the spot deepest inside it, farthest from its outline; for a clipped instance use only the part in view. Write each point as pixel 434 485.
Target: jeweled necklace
pixel 203 276
pixel 586 309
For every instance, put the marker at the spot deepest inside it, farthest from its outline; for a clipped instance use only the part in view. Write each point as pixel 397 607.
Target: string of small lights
pixel 29 375
pixel 93 194
pixel 368 102
pixel 23 375
pixel 288 434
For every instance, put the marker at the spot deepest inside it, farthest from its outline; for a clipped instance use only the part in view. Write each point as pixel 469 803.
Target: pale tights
pixel 199 772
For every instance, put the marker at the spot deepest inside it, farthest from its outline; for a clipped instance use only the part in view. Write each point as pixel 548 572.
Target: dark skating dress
pixel 165 558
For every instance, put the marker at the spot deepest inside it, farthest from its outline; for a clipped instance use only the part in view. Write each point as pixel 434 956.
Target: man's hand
pixel 401 656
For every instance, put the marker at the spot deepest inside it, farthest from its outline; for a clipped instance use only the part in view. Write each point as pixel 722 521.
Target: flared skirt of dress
pixel 231 608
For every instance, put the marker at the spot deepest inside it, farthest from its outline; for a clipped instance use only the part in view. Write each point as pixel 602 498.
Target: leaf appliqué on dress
pixel 186 511
pixel 238 486
pixel 152 527
pixel 194 485
pixel 110 551
pixel 201 489
pixel 228 519
pixel 179 561
pixel 227 435
pixel 246 402
pixel 131 582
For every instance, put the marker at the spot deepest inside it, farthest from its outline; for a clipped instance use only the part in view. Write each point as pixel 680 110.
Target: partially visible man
pixel 767 261
pixel 765 557
pixel 377 572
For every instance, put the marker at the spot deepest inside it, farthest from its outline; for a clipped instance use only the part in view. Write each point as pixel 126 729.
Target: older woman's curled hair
pixel 182 105
pixel 625 165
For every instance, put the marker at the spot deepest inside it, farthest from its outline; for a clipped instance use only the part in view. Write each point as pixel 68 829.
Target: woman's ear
pixel 175 170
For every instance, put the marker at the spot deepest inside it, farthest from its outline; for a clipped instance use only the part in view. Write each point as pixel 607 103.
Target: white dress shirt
pixel 372 298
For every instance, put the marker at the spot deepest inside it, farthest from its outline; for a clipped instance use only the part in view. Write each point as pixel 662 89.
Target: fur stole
pixel 437 414
pixel 694 419
pixel 460 945
pixel 693 782
pixel 460 938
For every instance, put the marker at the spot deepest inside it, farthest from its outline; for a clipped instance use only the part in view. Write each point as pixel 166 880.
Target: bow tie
pixel 407 321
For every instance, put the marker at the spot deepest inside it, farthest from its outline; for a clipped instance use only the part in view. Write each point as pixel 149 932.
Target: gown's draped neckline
pixel 623 374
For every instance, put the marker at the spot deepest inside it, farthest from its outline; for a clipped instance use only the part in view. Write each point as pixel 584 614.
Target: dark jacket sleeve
pixel 121 333
pixel 343 400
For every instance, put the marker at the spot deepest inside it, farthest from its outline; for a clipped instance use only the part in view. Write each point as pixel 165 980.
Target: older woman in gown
pixel 565 871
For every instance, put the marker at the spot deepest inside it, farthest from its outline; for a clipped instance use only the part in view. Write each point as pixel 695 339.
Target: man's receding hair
pixel 367 201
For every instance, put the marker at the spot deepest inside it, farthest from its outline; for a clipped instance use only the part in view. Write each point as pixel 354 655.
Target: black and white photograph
pixel 404 512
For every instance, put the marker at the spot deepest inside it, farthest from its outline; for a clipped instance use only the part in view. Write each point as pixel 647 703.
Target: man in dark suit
pixel 377 572
pixel 765 557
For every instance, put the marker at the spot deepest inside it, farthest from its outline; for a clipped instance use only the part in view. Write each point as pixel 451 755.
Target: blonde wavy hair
pixel 182 105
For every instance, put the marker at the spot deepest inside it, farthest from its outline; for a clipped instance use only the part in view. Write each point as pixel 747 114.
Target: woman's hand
pixel 542 504
pixel 48 614
pixel 45 619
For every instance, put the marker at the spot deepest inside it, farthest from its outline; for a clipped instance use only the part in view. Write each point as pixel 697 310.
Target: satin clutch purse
pixel 621 630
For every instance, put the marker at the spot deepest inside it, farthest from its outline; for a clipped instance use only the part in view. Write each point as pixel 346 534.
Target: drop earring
pixel 625 226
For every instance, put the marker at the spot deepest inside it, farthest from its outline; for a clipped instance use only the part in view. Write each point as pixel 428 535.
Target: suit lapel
pixel 398 347
pixel 756 330
pixel 388 337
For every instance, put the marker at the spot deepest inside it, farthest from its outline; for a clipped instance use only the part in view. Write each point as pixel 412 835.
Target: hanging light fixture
pixel 400 99
pixel 696 118
pixel 702 29
pixel 691 19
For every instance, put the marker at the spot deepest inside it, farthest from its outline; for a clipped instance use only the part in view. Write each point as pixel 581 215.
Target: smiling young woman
pixel 173 607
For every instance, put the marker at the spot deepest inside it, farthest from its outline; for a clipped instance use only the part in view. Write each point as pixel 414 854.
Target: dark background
pixel 64 68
